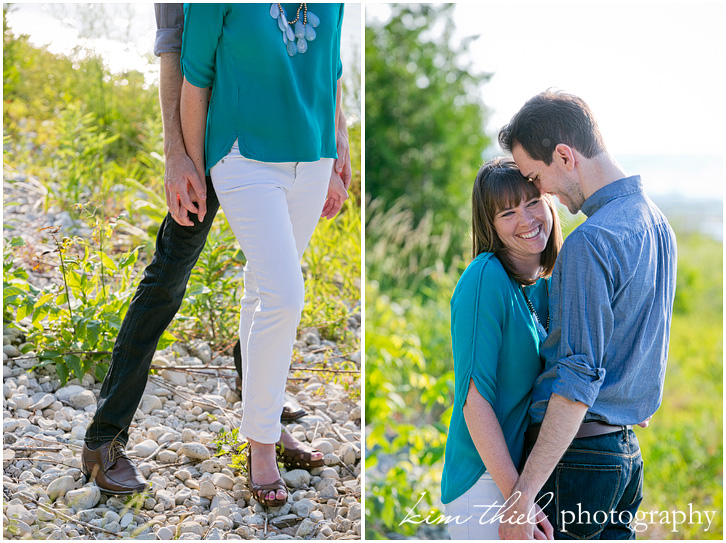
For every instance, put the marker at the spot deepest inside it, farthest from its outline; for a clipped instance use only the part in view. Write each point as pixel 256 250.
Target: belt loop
pixel 626 435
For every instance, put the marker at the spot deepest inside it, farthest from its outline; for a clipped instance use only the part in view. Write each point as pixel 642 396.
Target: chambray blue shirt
pixel 610 308
pixel 495 343
pixel 279 108
pixel 169 28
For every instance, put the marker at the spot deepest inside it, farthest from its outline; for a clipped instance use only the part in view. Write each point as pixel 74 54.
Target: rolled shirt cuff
pixel 168 40
pixel 577 380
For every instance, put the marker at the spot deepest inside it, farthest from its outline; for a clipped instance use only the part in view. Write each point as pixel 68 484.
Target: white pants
pixel 475 518
pixel 273 209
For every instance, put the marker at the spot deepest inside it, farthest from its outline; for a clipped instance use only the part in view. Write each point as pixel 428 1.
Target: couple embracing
pixel 559 348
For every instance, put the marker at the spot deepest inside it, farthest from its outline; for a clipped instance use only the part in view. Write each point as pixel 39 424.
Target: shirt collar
pixel 616 189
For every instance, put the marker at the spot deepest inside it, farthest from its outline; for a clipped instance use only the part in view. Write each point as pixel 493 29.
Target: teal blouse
pixel 279 108
pixel 495 343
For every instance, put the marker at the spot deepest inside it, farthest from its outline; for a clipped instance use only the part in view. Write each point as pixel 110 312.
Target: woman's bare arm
pixel 486 432
pixel 193 112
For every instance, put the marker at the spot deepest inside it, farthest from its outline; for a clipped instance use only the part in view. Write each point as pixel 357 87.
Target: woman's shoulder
pixel 484 271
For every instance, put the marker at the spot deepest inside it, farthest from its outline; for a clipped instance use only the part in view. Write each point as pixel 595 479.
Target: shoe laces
pixel 116 450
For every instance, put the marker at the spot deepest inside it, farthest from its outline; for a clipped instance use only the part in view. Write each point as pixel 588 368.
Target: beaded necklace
pixel 296 41
pixel 531 308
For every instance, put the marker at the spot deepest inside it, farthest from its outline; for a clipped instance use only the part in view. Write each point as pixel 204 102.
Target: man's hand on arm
pixel 185 191
pixel 561 422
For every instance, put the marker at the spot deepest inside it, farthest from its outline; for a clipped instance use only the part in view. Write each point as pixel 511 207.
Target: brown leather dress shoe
pixel 112 470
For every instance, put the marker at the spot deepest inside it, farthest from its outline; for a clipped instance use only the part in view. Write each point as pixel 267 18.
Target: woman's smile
pixel 532 233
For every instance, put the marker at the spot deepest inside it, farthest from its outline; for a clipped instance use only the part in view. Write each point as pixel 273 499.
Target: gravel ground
pixel 189 400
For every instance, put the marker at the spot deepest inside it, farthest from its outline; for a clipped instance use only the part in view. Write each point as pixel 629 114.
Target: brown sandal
pixel 260 491
pixel 300 458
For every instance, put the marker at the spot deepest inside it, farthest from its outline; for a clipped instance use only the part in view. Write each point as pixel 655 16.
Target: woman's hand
pixel 337 195
pixel 543 529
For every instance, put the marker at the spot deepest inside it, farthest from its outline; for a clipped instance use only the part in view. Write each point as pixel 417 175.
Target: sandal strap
pixel 302 456
pixel 260 490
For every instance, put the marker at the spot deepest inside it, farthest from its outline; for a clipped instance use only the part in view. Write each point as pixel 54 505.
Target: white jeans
pixel 273 209
pixel 475 518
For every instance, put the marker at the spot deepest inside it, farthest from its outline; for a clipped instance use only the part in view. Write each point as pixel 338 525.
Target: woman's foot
pixel 264 474
pixel 296 455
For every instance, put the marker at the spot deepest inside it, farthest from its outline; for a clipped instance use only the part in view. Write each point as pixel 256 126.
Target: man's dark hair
pixel 551 118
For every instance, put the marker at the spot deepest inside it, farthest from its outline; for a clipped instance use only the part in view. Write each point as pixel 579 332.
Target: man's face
pixel 553 179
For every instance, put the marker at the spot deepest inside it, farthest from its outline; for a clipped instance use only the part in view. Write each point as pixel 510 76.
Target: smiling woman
pixel 499 315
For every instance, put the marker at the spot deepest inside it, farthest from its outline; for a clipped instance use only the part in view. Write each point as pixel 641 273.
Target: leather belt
pixel 587 429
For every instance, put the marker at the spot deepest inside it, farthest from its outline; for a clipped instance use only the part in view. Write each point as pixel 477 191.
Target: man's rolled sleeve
pixel 202 28
pixel 586 317
pixel 169 28
pixel 577 380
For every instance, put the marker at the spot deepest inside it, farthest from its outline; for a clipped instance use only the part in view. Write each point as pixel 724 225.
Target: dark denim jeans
pixel 596 488
pixel 153 307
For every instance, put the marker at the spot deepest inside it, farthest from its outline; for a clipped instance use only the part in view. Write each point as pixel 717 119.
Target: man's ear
pixel 565 155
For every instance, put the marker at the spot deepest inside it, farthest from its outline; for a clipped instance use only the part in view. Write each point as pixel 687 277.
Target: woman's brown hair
pixel 500 185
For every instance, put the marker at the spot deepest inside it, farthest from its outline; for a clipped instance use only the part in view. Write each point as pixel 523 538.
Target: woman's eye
pixel 534 202
pixel 507 214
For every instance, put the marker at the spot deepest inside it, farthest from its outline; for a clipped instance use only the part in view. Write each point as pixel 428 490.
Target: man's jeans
pixel 597 488
pixel 153 307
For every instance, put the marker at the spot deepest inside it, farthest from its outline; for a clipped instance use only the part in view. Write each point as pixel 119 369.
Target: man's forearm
pixel 561 422
pixel 170 82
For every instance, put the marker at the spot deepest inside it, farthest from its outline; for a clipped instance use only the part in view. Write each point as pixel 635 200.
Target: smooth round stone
pixel 167 457
pixel 60 486
pixel 126 520
pixel 195 451
pixel 222 481
pixel 303 508
pixel 323 445
pixel 165 533
pixel 83 399
pixel 42 400
pixel 11 350
pixel 112 516
pixel 18 511
pixel 145 448
pixel 20 401
pixel 297 478
pixel 329 473
pixel 149 403
pixel 207 489
pixel 182 474
pixel 188 436
pixel 83 498
pixel 191 527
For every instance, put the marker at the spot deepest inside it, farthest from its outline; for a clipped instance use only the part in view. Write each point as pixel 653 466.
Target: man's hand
pixel 184 189
pixel 337 195
pixel 645 423
pixel 523 519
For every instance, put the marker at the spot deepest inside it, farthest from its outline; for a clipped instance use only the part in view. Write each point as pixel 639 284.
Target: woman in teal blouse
pixel 499 316
pixel 267 138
